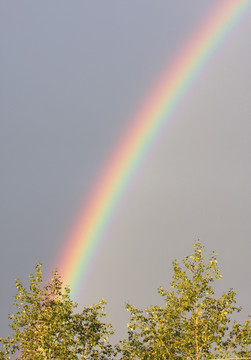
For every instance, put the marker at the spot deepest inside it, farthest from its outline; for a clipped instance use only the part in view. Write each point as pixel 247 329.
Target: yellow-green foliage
pixel 45 325
pixel 193 324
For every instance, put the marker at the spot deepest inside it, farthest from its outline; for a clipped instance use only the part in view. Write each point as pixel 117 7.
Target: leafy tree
pixel 193 324
pixel 45 325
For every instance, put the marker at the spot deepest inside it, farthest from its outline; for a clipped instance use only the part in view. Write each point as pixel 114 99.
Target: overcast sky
pixel 73 73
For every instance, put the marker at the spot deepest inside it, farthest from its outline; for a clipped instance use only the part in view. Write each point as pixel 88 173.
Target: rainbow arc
pixel 157 112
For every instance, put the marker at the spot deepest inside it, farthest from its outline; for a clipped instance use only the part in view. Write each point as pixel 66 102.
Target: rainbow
pixel 147 125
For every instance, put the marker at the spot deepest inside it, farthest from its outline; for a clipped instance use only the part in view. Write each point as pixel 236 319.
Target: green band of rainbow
pixel 147 125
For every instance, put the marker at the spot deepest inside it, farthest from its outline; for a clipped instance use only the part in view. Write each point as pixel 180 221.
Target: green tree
pixel 193 324
pixel 45 325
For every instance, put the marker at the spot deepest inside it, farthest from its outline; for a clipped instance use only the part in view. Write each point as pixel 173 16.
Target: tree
pixel 45 325
pixel 193 324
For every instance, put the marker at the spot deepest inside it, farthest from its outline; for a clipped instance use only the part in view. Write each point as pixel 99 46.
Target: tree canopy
pixel 45 325
pixel 193 322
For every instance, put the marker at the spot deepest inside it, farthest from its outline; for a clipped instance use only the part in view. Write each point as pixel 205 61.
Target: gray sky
pixel 72 75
